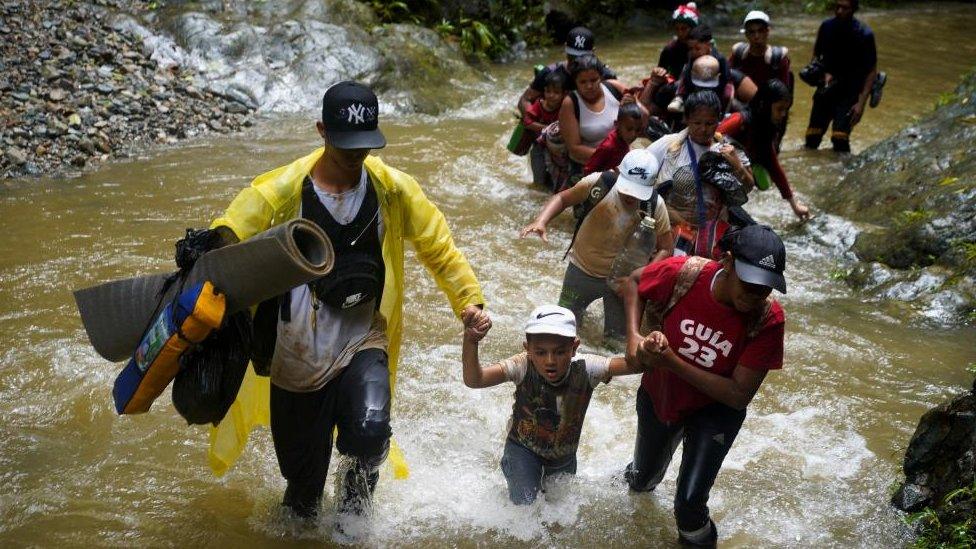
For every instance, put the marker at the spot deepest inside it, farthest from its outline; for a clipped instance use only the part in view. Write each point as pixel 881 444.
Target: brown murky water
pixel 813 465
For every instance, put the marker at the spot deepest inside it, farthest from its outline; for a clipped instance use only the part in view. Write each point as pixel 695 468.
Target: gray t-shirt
pixel 316 344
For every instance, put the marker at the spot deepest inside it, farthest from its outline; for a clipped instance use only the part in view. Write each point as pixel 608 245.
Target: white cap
pixel 710 83
pixel 551 319
pixel 638 170
pixel 754 15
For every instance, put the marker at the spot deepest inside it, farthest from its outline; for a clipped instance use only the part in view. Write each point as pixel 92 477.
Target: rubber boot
pixel 356 480
pixel 876 88
pixel 700 538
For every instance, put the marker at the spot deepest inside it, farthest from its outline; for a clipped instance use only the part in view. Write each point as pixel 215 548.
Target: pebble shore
pixel 74 92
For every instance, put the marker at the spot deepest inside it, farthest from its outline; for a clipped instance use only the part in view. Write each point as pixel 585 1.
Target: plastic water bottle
pixel 636 253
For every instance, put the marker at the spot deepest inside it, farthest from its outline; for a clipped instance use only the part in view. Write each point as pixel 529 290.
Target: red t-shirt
pixel 607 155
pixel 705 334
pixel 536 113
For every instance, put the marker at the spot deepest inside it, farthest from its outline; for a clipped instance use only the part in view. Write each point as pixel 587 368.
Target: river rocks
pixel 75 88
pixel 915 192
pixel 941 458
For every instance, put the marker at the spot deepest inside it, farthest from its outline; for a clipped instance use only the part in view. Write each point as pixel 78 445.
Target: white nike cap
pixel 551 319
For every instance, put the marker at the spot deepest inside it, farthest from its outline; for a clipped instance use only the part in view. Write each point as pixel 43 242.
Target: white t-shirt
pixel 317 344
pixel 660 148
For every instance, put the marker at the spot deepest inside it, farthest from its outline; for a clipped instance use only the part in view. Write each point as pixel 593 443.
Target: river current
pixel 813 465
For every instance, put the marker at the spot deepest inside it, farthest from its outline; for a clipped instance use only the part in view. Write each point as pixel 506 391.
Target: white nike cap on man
pixel 638 170
pixel 551 319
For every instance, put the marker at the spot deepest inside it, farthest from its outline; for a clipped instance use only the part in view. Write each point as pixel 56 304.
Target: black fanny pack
pixel 357 278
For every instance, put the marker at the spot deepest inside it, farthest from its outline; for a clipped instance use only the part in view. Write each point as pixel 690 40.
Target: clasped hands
pixel 476 323
pixel 647 352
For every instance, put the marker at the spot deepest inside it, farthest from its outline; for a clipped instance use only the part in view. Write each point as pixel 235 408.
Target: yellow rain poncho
pixel 273 198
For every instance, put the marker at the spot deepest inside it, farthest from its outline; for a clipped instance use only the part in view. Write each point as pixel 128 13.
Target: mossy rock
pixel 419 60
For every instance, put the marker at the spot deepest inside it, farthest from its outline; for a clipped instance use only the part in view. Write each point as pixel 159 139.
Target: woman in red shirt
pixel 758 131
pixel 720 335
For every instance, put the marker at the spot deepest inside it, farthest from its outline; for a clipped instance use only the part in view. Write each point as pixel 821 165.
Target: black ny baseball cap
pixel 579 41
pixel 350 113
pixel 760 257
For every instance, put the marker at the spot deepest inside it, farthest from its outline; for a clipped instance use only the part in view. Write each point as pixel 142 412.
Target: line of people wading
pixel 684 273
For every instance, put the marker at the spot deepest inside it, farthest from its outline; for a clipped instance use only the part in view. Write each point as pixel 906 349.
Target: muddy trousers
pixel 357 405
pixel 580 289
pixel 831 107
pixel 525 471
pixel 707 436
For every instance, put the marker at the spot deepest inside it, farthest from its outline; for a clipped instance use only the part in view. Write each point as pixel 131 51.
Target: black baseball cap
pixel 579 41
pixel 760 257
pixel 350 113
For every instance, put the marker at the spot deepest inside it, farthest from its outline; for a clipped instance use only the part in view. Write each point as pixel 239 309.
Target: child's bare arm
pixel 476 326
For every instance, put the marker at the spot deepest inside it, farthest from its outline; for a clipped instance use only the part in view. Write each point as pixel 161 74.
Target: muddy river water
pixel 813 465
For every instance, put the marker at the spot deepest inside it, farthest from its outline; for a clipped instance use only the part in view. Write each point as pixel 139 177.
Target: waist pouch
pixel 355 279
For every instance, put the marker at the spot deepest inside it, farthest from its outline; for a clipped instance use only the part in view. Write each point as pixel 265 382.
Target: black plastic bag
pixel 211 373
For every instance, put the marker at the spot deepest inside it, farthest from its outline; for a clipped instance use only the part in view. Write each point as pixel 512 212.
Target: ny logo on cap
pixel 579 42
pixel 638 171
pixel 357 113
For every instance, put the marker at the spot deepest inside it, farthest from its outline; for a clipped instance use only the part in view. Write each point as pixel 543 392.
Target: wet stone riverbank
pixel 75 90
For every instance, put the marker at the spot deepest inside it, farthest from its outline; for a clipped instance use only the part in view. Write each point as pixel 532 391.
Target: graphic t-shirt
pixel 547 419
pixel 706 334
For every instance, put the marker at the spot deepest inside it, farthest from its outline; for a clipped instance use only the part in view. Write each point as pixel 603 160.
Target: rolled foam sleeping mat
pixel 115 314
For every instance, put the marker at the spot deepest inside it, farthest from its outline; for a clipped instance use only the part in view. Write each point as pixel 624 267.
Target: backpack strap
pixel 613 91
pixel 776 57
pixel 575 98
pixel 599 190
pixel 739 50
pixel 687 276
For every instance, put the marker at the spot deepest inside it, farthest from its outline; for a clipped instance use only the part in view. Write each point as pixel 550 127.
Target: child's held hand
pixel 476 324
pixel 655 343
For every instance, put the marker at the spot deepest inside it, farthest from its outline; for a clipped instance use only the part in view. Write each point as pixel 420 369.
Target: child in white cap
pixel 553 386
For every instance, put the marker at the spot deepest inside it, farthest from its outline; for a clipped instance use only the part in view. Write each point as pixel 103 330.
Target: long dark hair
pixel 588 62
pixel 761 127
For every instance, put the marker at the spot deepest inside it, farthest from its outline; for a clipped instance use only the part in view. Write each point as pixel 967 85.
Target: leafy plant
pixel 952 525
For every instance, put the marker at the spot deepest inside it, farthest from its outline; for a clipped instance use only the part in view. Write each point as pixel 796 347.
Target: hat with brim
pixel 754 16
pixel 552 320
pixel 752 274
pixel 637 169
pixel 365 139
pixel 710 83
pixel 634 189
pixel 350 113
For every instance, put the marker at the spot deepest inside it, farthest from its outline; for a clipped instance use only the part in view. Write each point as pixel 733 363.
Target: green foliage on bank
pixel 951 525
pixel 485 29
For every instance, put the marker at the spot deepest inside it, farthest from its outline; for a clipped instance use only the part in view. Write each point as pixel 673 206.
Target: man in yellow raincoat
pixel 335 341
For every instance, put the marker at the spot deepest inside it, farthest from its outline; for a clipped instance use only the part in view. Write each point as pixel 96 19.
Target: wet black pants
pixel 357 404
pixel 831 108
pixel 707 436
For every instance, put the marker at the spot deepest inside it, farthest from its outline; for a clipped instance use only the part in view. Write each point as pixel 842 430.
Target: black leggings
pixel 357 404
pixel 707 436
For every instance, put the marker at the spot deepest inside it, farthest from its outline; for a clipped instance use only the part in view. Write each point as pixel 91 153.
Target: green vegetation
pixel 952 525
pixel 482 30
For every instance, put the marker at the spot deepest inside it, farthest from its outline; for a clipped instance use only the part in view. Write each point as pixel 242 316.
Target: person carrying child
pixel 539 115
pixel 611 151
pixel 553 386
pixel 613 204
pixel 721 334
